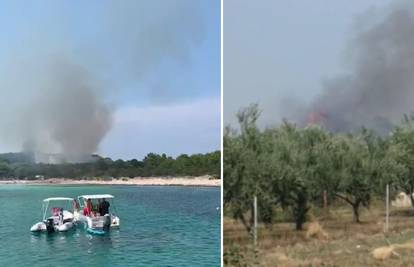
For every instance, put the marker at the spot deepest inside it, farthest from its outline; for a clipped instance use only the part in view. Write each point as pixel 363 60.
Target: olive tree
pixel 401 153
pixel 242 171
pixel 350 161
pixel 292 167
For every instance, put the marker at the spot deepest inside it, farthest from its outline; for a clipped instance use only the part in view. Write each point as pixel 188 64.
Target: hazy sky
pixel 276 51
pixel 157 64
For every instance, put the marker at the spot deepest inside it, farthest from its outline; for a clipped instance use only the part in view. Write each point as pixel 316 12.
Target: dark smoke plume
pixel 61 111
pixel 55 91
pixel 71 111
pixel 378 88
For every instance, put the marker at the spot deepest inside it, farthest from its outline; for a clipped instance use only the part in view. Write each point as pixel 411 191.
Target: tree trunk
pixel 409 192
pixel 299 225
pixel 245 222
pixel 252 220
pixel 355 209
pixel 300 211
pixel 412 198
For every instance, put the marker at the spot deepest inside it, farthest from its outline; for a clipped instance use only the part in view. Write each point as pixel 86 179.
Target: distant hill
pixel 17 158
pixel 23 166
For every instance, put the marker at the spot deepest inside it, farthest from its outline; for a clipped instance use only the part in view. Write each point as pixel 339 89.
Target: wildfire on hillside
pixel 317 118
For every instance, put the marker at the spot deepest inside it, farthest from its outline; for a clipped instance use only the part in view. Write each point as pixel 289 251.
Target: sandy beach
pixel 167 181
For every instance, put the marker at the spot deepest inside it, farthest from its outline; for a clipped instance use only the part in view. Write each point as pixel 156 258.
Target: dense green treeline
pixel 290 168
pixel 19 167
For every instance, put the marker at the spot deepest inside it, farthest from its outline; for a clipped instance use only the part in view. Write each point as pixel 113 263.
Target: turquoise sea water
pixel 160 226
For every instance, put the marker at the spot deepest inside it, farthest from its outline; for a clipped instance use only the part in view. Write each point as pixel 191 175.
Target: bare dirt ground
pixel 167 181
pixel 331 240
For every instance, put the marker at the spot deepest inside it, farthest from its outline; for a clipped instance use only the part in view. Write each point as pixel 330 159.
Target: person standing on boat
pixel 100 207
pixel 88 208
pixel 104 207
pixel 60 216
pixel 75 205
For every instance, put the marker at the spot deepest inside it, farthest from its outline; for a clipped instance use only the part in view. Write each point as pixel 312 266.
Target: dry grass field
pixel 331 239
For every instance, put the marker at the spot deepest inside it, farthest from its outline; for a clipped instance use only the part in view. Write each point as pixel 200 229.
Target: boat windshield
pixel 54 207
pixel 96 201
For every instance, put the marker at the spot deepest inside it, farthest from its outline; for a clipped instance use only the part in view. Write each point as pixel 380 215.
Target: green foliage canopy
pixel 292 167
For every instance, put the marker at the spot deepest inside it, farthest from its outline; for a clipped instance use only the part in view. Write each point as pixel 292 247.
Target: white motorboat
pixel 57 215
pixel 99 215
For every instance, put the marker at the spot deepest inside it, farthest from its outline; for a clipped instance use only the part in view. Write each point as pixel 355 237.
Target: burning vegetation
pixel 376 88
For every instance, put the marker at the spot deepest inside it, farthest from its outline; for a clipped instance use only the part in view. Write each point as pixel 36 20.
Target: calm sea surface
pixel 160 226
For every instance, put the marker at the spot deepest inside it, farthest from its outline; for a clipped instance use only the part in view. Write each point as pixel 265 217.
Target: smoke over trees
pixel 54 106
pixel 55 89
pixel 378 86
pixel 67 114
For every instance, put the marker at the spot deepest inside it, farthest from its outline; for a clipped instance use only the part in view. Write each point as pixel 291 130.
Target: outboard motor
pixel 50 225
pixel 107 223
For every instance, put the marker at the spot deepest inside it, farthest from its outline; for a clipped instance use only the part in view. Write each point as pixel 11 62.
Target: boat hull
pixel 41 227
pixel 97 222
pixel 96 231
pixel 38 227
pixel 64 227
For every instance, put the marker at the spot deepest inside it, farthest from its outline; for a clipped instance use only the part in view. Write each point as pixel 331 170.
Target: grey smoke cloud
pixel 71 110
pixel 378 85
pixel 53 106
pixel 55 90
pixel 153 33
